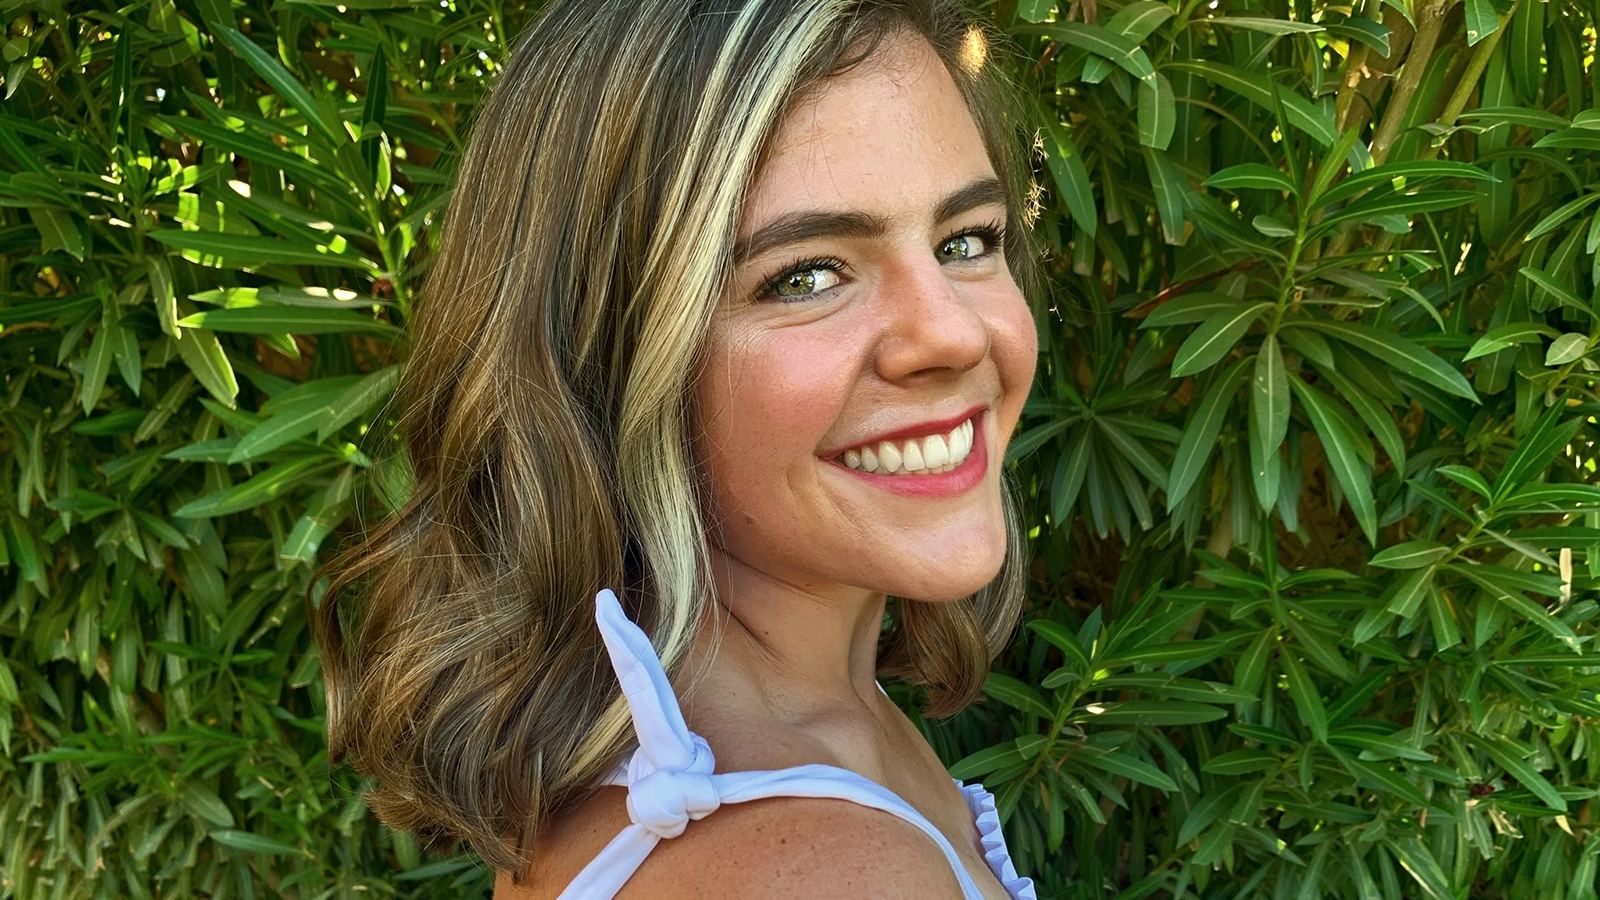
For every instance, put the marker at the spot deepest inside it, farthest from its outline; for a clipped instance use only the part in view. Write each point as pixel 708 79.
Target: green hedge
pixel 1309 468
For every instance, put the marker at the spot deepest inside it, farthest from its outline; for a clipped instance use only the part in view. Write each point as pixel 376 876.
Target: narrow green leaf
pixel 1555 288
pixel 1215 338
pixel 1139 19
pixel 1071 178
pixel 1510 335
pixel 1304 694
pixel 97 362
pixel 125 350
pixel 1529 610
pixel 1170 189
pixel 1481 20
pixel 263 488
pixel 1410 555
pixel 1129 767
pixel 1446 632
pixel 1404 205
pixel 58 230
pixel 1017 695
pixel 1269 423
pixel 1419 862
pixel 1264 25
pixel 1548 438
pixel 1562 214
pixel 288 320
pixel 1068 481
pixel 1318 649
pixel 1210 806
pixel 1558 495
pixel 1149 712
pixel 1251 175
pixel 1035 10
pixel 1344 458
pixel 1251 668
pixel 1513 761
pixel 1389 780
pixel 1200 436
pixel 1366 31
pixel 1241 762
pixel 1377 746
pixel 1188 310
pixel 359 400
pixel 1409 592
pixel 203 802
pixel 1413 172
pixel 289 424
pixel 1374 414
pixel 1158 112
pixel 1101 42
pixel 1271 227
pixel 274 74
pixel 253 843
pixel 203 354
pixel 1062 638
pixel 1404 355
pixel 246 250
pixel 985 761
pixel 1566 348
pixel 1249 85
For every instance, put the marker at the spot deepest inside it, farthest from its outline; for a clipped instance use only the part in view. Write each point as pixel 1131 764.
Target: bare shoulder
pixel 793 848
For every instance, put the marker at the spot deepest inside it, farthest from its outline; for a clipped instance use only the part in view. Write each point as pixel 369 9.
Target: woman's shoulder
pixel 795 848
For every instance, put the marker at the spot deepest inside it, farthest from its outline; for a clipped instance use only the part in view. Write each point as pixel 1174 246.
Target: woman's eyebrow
pixel 802 226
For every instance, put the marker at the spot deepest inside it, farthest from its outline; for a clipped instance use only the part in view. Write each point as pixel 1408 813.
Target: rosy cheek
pixel 1016 350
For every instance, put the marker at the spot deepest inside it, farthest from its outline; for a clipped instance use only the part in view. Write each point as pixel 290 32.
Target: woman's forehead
pixel 890 137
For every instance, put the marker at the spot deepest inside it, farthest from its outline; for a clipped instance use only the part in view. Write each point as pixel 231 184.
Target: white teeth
pixel 912 457
pixel 929 455
pixel 889 457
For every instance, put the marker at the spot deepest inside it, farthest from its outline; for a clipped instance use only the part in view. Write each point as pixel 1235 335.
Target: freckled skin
pixel 903 339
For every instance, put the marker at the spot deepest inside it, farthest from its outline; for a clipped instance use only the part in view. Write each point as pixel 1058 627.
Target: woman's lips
pixel 951 476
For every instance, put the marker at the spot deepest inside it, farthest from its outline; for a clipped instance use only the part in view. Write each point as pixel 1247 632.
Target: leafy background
pixel 1309 469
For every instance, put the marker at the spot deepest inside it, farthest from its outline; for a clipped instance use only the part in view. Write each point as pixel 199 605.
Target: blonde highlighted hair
pixel 544 406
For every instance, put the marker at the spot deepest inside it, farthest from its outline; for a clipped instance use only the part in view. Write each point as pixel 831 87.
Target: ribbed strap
pixel 670 777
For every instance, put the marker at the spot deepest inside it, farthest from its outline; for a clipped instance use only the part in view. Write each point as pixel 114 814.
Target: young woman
pixel 723 347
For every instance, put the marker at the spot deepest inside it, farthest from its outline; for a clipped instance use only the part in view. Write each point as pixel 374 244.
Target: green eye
pixel 963 246
pixel 801 283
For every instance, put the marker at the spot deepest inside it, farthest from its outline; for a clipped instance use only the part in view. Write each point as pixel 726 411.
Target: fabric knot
pixel 665 800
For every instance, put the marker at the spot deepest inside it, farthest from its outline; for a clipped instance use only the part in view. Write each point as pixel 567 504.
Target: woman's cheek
pixel 1015 346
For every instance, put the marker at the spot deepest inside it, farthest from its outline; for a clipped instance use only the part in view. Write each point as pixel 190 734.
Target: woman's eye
pixel 964 246
pixel 804 282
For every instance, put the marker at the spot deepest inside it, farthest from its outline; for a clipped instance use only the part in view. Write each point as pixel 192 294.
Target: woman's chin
pixel 947 577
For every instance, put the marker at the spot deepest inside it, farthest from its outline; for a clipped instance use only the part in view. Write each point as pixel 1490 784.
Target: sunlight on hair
pixel 974 50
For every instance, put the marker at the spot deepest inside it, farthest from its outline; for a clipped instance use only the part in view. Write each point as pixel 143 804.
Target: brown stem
pixel 1468 82
pixel 1349 81
pixel 1429 23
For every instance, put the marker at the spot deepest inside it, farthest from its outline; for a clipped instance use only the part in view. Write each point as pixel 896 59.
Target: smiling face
pixel 870 357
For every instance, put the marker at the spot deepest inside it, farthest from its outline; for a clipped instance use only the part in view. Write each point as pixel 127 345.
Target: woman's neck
pixel 802 651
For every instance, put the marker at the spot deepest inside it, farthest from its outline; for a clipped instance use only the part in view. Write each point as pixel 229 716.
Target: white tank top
pixel 671 779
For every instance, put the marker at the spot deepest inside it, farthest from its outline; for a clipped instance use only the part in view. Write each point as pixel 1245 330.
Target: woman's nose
pixel 931 327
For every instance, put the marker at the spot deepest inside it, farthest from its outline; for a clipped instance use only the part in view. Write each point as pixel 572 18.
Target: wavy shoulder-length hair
pixel 545 412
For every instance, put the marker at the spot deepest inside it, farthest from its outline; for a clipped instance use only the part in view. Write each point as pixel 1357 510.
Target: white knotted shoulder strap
pixel 669 777
pixel 671 780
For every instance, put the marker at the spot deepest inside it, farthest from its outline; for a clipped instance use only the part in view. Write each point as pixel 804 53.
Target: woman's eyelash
pixel 769 287
pixel 992 234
